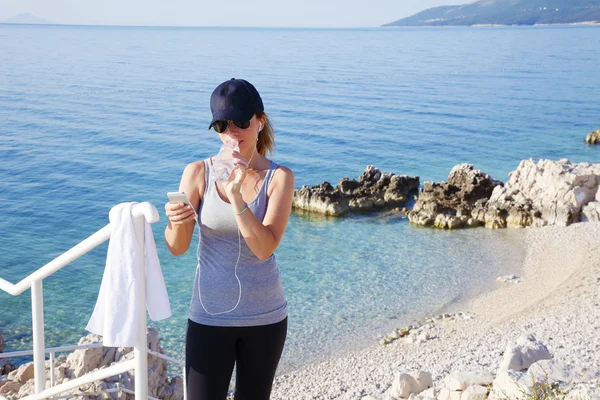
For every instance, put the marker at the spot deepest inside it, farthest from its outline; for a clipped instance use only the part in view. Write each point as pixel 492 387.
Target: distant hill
pixel 26 19
pixel 507 12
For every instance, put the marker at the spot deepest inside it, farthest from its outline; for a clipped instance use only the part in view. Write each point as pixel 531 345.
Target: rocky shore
pixel 18 382
pixel 538 334
pixel 537 194
pixel 374 190
pixel 451 204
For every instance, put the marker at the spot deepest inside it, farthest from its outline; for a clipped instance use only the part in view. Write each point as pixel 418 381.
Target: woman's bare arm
pixel 264 237
pixel 180 229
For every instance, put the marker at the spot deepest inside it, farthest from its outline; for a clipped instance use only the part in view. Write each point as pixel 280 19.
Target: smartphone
pixel 181 197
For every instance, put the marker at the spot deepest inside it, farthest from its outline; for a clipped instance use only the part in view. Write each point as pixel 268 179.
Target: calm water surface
pixel 93 116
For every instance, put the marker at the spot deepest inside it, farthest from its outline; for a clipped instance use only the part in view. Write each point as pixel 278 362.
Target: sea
pixel 92 116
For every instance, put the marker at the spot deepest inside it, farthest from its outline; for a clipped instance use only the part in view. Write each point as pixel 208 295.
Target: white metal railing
pixel 141 213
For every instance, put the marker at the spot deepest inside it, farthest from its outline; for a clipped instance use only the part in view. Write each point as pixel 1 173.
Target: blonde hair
pixel 266 136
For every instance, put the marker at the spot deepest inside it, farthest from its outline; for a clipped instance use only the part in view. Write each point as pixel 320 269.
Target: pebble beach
pixel 557 300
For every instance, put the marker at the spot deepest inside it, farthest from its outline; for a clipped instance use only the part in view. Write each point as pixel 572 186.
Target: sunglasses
pixel 222 125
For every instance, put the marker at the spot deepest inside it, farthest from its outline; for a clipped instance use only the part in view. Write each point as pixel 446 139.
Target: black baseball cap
pixel 235 100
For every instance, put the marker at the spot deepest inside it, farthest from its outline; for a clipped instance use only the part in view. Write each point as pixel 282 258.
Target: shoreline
pixel 485 244
pixel 557 301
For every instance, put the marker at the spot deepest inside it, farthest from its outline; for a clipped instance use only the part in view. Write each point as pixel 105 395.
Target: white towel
pixel 117 311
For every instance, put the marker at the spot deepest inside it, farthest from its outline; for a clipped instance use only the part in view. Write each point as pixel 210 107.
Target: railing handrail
pixel 93 241
pixel 62 349
pixel 58 263
pixel 90 377
pixel 139 363
pixel 65 349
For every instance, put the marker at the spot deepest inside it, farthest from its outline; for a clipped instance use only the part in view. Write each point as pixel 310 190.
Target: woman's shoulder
pixel 283 170
pixel 194 173
pixel 283 176
pixel 195 168
pixel 277 168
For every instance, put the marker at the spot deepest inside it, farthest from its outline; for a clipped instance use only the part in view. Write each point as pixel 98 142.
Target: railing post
pixel 184 383
pixel 141 347
pixel 39 352
pixel 52 380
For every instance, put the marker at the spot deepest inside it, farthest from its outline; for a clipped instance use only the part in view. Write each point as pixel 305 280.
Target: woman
pixel 238 311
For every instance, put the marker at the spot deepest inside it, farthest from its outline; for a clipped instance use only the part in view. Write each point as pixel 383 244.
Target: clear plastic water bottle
pixel 223 164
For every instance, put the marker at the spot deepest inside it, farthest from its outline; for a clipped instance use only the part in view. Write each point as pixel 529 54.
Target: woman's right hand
pixel 179 213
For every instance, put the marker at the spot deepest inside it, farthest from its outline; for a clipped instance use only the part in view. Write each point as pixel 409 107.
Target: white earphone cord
pixel 234 270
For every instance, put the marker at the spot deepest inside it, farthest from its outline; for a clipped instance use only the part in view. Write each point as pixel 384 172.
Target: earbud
pixel 259 126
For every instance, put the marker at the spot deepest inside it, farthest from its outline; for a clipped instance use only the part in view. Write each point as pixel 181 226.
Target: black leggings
pixel 212 351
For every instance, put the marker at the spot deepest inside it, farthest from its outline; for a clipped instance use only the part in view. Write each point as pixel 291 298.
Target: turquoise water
pixel 93 116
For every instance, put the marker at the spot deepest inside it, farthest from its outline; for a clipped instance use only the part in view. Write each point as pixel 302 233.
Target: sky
pixel 243 13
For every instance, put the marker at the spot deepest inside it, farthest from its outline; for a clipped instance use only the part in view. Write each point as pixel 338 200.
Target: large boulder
pixel 521 355
pixel 372 191
pixel 22 374
pixel 449 204
pixel 403 386
pixel 82 361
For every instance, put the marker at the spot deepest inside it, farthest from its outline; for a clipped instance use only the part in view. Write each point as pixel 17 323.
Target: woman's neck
pixel 253 158
pixel 257 161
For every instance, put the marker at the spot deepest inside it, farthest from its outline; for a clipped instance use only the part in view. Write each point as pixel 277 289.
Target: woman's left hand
pixel 233 186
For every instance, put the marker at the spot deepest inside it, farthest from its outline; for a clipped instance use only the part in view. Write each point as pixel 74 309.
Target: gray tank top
pixel 262 301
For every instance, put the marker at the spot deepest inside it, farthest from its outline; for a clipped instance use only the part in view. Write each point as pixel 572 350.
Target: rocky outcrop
pixel 543 193
pixel 537 194
pixel 450 204
pixel 20 382
pixel 374 190
pixel 593 137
